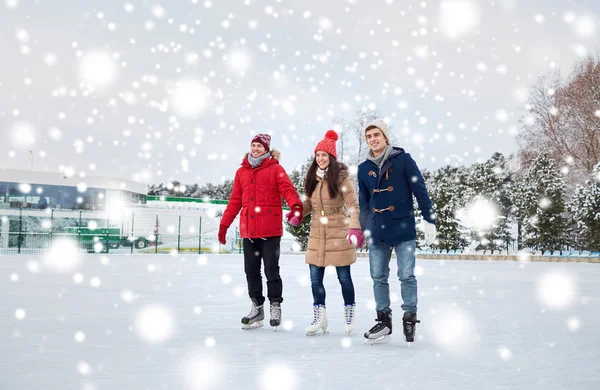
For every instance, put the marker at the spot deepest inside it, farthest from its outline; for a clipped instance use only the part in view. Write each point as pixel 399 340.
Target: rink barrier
pixel 520 257
pixel 480 257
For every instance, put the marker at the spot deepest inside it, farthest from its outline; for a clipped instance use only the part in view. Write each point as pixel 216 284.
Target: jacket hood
pixel 396 151
pixel 344 172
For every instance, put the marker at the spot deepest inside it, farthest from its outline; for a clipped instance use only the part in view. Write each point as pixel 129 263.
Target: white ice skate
pixel 255 318
pixel 349 314
pixel 319 321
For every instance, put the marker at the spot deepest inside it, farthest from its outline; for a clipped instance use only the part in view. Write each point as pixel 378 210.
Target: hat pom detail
pixel 331 134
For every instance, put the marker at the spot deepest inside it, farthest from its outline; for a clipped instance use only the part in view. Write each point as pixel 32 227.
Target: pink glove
pixel 358 234
pixel 292 219
pixel 295 215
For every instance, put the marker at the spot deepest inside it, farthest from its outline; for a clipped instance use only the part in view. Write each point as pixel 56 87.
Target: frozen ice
pixel 63 256
pixel 188 335
pixel 557 290
pixel 154 323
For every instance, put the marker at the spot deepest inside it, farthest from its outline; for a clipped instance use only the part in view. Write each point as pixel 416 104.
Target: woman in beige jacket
pixel 333 233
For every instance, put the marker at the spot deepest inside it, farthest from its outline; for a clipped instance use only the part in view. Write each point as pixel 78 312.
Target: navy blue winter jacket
pixel 385 199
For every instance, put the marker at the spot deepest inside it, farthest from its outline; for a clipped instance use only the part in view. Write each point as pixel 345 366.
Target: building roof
pixel 58 179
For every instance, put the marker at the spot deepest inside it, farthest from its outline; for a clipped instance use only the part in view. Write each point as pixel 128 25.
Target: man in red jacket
pixel 259 185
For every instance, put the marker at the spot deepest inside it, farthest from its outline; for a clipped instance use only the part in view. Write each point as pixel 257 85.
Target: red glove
pixel 222 234
pixel 294 217
pixel 358 234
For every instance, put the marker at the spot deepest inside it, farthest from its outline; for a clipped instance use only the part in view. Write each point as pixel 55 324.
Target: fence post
pixel 200 235
pixel 107 231
pixel 51 225
pixel 132 222
pixel 179 236
pixel 156 236
pixel 20 237
pixel 79 233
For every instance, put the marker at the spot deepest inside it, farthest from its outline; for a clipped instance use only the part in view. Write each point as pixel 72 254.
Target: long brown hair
pixel 332 177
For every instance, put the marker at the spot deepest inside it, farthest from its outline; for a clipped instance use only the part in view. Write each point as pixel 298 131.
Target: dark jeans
pixel 257 250
pixel 318 289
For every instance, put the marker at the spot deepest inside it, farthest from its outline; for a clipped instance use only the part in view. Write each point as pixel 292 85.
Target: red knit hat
pixel 327 144
pixel 263 139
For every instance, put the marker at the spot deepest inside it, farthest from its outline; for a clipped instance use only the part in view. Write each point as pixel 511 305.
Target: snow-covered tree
pixel 585 211
pixel 562 118
pixel 445 190
pixel 542 205
pixel 302 231
pixel 491 182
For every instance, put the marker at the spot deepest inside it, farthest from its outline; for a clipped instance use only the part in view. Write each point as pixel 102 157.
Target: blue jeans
pixel 379 261
pixel 318 289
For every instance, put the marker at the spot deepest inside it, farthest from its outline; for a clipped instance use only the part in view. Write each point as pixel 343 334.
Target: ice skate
pixel 349 314
pixel 319 321
pixel 255 318
pixel 275 315
pixel 409 324
pixel 381 332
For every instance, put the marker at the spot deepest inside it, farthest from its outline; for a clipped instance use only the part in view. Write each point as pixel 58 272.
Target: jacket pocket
pixel 244 221
pixel 270 221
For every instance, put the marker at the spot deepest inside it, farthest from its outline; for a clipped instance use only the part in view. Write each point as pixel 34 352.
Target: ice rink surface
pixel 173 322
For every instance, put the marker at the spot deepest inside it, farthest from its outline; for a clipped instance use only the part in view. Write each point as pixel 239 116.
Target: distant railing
pixel 26 231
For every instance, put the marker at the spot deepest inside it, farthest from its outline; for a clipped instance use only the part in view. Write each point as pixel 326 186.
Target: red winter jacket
pixel 258 193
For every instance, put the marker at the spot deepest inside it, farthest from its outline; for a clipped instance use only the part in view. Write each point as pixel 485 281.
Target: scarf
pixel 321 173
pixel 382 157
pixel 256 161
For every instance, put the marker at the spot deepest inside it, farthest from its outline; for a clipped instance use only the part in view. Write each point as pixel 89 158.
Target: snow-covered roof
pixel 55 178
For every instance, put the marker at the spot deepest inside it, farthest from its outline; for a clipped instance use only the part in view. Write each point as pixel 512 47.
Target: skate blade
pixel 381 340
pixel 319 332
pixel 256 325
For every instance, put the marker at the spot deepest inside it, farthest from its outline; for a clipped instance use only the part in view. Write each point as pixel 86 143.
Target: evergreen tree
pixel 491 181
pixel 302 231
pixel 585 210
pixel 542 192
pixel 448 184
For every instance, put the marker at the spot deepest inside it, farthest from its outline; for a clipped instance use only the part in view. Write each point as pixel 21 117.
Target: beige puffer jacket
pixel 328 242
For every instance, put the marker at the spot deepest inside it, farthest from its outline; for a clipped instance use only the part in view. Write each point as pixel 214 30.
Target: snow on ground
pixel 173 322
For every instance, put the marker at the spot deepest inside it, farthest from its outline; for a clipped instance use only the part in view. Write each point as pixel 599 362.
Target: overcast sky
pixel 163 90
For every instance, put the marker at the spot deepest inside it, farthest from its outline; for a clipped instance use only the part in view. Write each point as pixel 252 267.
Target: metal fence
pixel 148 231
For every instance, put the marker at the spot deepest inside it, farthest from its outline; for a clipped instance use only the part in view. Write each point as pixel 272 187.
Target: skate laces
pixel 377 327
pixel 349 313
pixel 316 314
pixel 253 311
pixel 275 312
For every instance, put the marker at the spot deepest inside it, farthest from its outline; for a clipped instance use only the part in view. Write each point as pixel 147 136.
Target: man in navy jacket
pixel 387 180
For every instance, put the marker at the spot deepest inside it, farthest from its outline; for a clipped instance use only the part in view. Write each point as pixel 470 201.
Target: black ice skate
pixel 255 318
pixel 381 332
pixel 409 323
pixel 275 314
